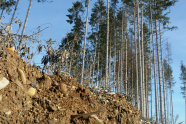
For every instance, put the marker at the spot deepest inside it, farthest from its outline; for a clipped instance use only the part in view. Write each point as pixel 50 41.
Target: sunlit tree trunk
pixel 119 64
pixel 140 67
pixel 154 63
pixel 167 101
pixel 170 82
pixel 83 60
pixel 97 71
pixel 14 12
pixel 163 75
pixel 150 62
pixel 146 92
pixel 142 64
pixel 94 64
pixel 159 73
pixel 70 66
pixel 126 50
pixel 106 66
pixel 121 52
pixel 100 80
pixel 25 23
pixel 109 70
pixel 132 79
pixel 136 55
pixel 114 75
pixel 90 73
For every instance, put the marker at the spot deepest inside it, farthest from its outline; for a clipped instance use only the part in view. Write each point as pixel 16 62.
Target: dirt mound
pixel 35 97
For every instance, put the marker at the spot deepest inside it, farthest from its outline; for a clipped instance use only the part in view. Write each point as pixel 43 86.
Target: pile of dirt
pixel 32 96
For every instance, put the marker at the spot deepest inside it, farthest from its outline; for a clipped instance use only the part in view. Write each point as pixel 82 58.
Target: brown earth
pixel 52 104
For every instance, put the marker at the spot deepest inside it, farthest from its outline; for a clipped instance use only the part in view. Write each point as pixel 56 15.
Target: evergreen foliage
pixel 183 78
pixel 129 28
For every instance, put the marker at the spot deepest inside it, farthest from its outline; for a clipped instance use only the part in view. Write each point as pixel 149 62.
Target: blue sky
pixel 54 15
pixel 177 39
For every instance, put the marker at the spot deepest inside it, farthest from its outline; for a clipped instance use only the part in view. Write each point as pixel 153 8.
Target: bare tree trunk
pixel 25 23
pixel 147 102
pixel 159 73
pixel 14 12
pixel 156 105
pixel 90 73
pixel 69 70
pixel 140 68
pixel 2 9
pixel 167 98
pixel 100 80
pixel 143 68
pixel 97 71
pixel 126 71
pixel 94 65
pixel 167 102
pixel 170 83
pixel 150 59
pixel 110 88
pixel 169 105
pixel 162 75
pixel 106 66
pixel 136 55
pixel 114 75
pixel 121 52
pixel 83 60
pixel 119 64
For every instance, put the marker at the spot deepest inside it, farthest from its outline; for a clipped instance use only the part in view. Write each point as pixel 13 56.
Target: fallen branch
pixel 89 115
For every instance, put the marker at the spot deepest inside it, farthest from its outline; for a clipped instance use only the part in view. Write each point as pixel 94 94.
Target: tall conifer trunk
pixel 14 12
pixel 136 57
pixel 159 71
pixel 140 68
pixel 106 66
pixel 109 70
pixel 150 58
pixel 162 74
pixel 28 11
pixel 83 60
pixel 94 64
pixel 126 57
pixel 118 80
pixel 142 64
pixel 121 52
pixel 114 75
pixel 154 63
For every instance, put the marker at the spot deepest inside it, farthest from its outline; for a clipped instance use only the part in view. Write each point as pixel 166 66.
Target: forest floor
pixel 32 96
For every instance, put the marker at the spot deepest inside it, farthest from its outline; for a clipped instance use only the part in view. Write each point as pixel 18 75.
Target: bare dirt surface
pixel 56 99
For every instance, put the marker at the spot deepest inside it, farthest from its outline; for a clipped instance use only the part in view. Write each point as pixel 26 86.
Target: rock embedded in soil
pixel 31 92
pixel 8 112
pixel 3 82
pixel 63 88
pixel 22 75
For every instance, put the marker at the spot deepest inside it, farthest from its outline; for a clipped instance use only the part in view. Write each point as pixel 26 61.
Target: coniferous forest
pixel 116 45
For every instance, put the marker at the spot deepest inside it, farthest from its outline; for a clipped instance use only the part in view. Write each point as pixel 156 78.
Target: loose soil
pixel 50 104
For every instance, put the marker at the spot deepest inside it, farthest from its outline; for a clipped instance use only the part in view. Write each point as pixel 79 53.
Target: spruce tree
pixel 73 41
pixel 183 79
